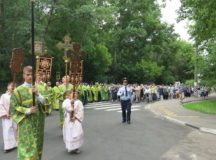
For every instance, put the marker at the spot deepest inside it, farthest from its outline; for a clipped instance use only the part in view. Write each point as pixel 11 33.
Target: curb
pixel 202 129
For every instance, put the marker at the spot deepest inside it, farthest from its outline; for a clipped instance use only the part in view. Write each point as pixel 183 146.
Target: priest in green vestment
pixel 99 88
pixel 89 94
pixel 80 90
pixel 95 93
pixel 51 96
pixel 85 94
pixel 43 90
pixel 106 93
pixel 66 86
pixel 30 119
pixel 103 94
pixel 55 99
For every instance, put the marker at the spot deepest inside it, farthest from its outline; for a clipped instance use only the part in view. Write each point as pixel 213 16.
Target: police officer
pixel 125 94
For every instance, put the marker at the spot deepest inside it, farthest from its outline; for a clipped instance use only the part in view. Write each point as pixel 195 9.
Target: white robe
pixel 72 131
pixel 9 126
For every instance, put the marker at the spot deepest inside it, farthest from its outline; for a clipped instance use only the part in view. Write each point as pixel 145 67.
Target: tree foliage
pixel 121 38
pixel 202 15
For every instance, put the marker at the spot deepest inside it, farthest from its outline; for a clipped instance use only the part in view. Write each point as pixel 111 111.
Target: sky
pixel 169 15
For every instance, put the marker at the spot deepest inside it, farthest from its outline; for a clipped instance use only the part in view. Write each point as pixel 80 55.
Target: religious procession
pixel 107 80
pixel 24 108
pixel 68 97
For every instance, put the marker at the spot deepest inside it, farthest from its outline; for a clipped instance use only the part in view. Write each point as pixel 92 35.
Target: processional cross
pixel 77 64
pixel 76 69
pixel 16 62
pixel 67 45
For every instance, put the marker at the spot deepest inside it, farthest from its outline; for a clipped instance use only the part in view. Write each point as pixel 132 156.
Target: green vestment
pixel 30 126
pixel 55 99
pixel 62 88
pixel 104 93
pixel 43 90
pixel 95 93
pixel 51 94
pixel 89 94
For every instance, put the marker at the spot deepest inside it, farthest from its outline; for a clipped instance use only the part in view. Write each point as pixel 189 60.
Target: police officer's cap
pixel 125 80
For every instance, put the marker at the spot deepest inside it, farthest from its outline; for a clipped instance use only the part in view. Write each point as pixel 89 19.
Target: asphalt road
pixel 106 138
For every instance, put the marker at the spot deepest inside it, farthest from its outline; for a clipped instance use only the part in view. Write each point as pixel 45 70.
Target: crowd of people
pixel 17 109
pixel 150 93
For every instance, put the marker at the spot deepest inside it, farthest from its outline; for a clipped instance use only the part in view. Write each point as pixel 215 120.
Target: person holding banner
pixel 63 88
pixel 72 128
pixel 30 119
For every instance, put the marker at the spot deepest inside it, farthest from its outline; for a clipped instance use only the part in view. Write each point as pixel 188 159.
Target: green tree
pixel 202 13
pixel 120 38
pixel 183 66
pixel 102 60
pixel 208 65
pixel 203 30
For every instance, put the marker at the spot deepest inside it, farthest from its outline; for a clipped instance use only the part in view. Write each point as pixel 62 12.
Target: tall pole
pixel 196 72
pixel 66 76
pixel 33 48
pixel 196 67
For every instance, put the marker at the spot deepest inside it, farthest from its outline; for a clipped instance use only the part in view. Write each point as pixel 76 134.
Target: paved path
pixel 200 144
pixel 195 146
pixel 173 110
pixel 109 107
pixel 106 138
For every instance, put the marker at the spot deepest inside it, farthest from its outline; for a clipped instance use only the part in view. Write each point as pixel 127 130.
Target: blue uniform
pixel 125 94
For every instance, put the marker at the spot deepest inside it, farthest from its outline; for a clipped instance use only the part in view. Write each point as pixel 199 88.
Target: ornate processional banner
pixel 76 70
pixel 45 66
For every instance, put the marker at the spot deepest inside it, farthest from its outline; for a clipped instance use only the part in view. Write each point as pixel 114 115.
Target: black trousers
pixel 126 106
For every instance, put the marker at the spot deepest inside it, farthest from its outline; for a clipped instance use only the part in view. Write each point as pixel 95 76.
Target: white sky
pixel 169 15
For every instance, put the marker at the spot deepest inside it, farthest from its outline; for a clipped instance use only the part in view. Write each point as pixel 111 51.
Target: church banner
pixel 45 66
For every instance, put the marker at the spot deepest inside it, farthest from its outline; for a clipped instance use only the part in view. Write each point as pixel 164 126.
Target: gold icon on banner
pixel 45 64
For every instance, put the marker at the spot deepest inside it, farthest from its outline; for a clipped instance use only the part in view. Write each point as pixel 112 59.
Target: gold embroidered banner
pixel 45 66
pixel 76 70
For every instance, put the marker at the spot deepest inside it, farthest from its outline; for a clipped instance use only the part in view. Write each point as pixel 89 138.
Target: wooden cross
pixel 76 59
pixel 76 65
pixel 76 69
pixel 76 53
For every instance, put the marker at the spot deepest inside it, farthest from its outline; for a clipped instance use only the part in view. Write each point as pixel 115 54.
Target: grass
pixel 208 106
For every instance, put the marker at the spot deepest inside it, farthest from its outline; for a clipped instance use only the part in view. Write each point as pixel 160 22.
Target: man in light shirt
pixel 125 94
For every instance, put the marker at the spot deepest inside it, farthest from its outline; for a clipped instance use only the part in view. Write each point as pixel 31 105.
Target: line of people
pixel 154 92
pixel 17 110
pixel 23 122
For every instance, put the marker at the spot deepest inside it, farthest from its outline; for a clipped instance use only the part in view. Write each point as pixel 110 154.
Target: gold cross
pixel 67 45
